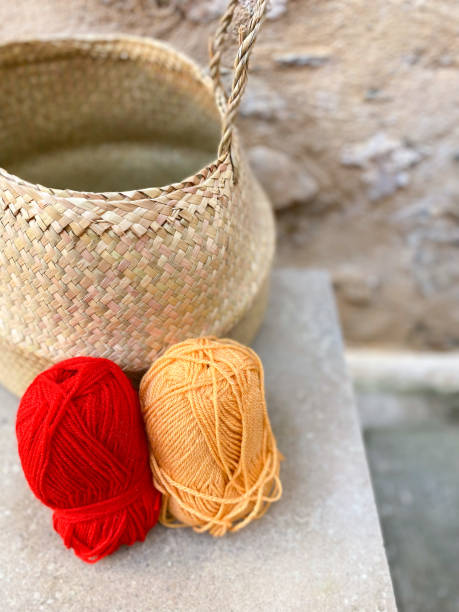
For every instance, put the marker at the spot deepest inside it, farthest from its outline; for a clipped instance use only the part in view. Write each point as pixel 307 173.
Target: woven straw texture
pixel 124 274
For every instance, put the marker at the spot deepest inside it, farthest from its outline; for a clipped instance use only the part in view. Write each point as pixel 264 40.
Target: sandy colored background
pixel 352 123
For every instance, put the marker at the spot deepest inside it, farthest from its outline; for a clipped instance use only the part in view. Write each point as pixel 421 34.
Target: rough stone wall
pixel 352 122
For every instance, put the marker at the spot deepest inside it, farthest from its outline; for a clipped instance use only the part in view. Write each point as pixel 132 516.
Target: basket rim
pixel 192 180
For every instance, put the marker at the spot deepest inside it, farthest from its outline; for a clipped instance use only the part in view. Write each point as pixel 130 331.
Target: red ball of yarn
pixel 84 453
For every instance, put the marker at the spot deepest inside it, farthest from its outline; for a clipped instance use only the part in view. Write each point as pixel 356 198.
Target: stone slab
pixel 404 371
pixel 318 549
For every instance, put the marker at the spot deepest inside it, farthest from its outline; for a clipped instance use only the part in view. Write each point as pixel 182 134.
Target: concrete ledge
pixel 319 549
pixel 404 371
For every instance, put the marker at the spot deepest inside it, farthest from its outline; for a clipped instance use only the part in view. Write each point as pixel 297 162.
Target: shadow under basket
pixel 99 262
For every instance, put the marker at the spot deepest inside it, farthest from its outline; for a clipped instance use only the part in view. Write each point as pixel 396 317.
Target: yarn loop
pixel 212 451
pixel 84 453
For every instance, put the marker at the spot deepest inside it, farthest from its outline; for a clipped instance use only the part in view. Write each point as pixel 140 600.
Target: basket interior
pixel 103 116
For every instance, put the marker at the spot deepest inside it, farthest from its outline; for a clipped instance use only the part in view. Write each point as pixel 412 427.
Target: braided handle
pixel 247 36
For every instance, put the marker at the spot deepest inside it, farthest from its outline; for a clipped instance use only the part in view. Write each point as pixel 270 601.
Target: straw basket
pixel 108 269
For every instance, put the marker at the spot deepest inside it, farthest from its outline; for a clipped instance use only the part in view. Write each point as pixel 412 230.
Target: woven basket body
pixel 120 274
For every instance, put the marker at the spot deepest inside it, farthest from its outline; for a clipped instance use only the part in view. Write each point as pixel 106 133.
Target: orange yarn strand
pixel 212 451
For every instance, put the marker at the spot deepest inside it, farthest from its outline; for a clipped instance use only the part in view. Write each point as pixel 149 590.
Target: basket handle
pixel 247 35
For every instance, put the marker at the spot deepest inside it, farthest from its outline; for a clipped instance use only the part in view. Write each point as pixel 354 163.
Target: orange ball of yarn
pixel 212 451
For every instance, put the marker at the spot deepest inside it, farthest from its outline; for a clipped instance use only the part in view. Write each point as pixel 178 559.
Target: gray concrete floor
pixel 413 454
pixel 319 549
